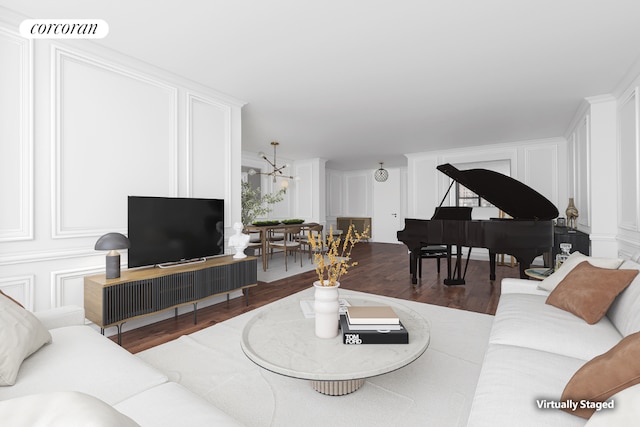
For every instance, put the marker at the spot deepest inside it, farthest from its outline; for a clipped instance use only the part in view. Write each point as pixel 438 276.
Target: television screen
pixel 165 229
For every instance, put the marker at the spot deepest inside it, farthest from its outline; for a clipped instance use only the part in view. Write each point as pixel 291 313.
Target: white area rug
pixel 435 390
pixel 276 269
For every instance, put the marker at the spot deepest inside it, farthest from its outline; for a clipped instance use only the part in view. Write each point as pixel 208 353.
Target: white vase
pixel 327 309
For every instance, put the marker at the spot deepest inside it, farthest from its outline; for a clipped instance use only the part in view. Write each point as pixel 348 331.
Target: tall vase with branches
pixel 254 204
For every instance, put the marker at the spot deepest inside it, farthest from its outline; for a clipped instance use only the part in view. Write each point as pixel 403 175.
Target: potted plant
pixel 255 205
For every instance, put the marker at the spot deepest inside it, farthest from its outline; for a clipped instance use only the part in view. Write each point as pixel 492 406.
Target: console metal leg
pixel 119 326
pixel 195 313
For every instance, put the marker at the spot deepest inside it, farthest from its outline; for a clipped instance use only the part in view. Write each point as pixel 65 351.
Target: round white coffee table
pixel 280 339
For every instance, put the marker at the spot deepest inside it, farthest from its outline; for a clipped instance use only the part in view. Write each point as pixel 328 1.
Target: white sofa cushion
pixel 525 320
pixel 521 286
pixel 626 411
pixel 550 283
pixel 513 380
pixel 58 317
pixel 172 405
pixel 61 409
pixel 625 310
pixel 21 334
pixel 81 359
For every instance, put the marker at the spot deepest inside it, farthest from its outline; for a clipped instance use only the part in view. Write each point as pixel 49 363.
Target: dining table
pixel 264 232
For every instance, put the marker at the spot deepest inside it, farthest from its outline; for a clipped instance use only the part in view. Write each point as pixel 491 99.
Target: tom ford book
pixel 353 336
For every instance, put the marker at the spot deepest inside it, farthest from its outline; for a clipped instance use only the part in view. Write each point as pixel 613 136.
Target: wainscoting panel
pixel 541 170
pixel 304 189
pixel 208 145
pixel 582 172
pixel 628 174
pixel 67 286
pixel 20 288
pixel 16 149
pixel 115 134
pixel 334 193
pixel 357 197
pixel 424 181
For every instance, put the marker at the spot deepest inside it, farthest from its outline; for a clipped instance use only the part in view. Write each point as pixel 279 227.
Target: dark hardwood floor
pixel 382 269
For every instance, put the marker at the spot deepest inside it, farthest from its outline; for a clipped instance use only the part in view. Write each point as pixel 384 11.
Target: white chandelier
pixel 277 170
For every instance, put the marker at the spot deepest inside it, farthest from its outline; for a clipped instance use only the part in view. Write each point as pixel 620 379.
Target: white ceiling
pixel 363 81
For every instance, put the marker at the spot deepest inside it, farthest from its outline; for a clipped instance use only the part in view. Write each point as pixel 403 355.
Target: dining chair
pixel 315 230
pixel 289 243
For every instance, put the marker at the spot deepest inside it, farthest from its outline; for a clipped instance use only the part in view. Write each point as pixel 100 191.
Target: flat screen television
pixel 171 229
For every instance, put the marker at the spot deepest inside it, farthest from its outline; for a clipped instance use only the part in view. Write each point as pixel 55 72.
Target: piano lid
pixel 511 196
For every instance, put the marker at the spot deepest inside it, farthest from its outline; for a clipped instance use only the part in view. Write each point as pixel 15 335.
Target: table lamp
pixel 110 242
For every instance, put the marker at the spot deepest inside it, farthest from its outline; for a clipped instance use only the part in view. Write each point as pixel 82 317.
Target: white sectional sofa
pixel 80 368
pixel 479 370
pixel 536 348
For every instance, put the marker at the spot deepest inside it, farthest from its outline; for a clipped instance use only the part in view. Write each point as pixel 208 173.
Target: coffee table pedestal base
pixel 337 388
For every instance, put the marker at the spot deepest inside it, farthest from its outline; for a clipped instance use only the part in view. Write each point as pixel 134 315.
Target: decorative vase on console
pixel 330 265
pixel 327 308
pixel 572 214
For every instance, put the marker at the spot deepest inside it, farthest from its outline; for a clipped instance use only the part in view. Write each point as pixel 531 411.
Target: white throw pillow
pixel 550 283
pixel 626 410
pixel 62 409
pixel 21 334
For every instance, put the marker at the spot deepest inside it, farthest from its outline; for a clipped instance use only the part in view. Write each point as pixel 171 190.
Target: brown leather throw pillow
pixel 605 375
pixel 589 291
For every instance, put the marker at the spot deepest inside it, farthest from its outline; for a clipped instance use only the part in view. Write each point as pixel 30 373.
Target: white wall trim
pixel 60 279
pixel 624 223
pixel 41 256
pixel 530 171
pixel 25 286
pixel 226 110
pixel 26 178
pixel 580 183
pixel 58 56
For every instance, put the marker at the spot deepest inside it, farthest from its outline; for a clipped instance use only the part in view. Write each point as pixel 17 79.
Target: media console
pixel 143 292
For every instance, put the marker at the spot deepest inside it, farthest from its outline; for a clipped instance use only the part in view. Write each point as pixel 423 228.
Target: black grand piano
pixel 527 235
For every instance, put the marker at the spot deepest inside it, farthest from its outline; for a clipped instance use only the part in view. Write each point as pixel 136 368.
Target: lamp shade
pixel 111 241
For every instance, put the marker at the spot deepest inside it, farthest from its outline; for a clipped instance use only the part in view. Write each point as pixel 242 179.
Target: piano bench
pixel 432 251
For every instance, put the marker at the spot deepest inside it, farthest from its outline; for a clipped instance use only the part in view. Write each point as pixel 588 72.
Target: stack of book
pixel 372 325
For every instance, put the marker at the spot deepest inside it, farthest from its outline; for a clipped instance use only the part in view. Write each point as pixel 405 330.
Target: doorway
pixel 386 209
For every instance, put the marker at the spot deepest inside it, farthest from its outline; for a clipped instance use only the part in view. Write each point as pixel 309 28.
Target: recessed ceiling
pixel 363 81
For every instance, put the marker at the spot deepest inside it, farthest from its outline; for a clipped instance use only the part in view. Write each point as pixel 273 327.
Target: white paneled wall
pixel 357 200
pixel 208 120
pixel 111 126
pixel 628 178
pixel 592 163
pixel 83 128
pixel 16 159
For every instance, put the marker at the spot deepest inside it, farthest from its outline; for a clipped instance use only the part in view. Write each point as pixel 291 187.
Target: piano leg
pixel 413 265
pixel 492 265
pixel 524 263
pixel 459 280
